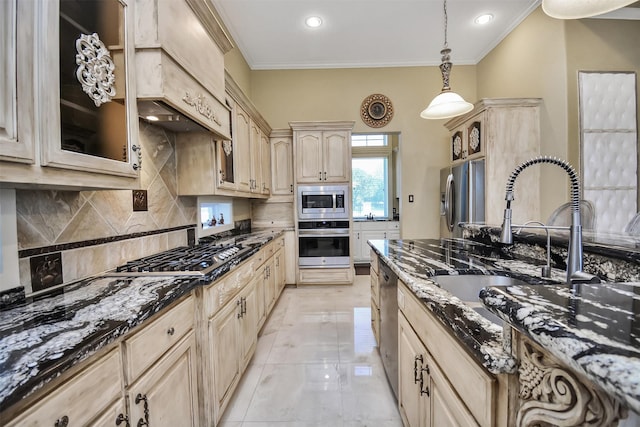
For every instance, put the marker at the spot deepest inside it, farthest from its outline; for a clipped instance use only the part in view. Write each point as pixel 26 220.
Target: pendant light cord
pixel 446 44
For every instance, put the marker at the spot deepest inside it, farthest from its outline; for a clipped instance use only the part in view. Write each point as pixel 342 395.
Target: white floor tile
pixel 316 365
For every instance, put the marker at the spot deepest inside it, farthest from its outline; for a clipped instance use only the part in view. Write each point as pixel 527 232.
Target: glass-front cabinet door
pixel 88 113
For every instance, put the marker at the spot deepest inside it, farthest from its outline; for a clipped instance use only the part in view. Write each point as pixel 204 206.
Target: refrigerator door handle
pixel 449 202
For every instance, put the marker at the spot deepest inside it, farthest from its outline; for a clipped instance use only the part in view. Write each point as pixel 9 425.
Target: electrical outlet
pixel 410 198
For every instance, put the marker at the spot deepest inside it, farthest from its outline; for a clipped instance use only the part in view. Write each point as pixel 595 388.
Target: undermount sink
pixel 467 288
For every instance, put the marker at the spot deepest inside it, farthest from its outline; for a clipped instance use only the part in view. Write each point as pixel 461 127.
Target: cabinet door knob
pixel 171 331
pixel 122 419
pixel 62 422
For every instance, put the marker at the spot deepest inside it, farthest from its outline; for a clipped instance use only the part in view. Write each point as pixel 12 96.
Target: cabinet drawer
pixel 146 346
pixel 222 291
pixel 470 381
pixel 81 398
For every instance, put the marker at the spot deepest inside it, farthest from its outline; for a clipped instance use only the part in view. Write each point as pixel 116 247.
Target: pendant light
pixel 448 104
pixel 576 9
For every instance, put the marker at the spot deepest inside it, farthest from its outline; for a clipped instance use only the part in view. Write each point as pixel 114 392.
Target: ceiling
pixel 271 34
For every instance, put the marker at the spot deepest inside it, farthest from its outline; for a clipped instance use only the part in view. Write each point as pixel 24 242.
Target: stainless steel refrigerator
pixel 461 196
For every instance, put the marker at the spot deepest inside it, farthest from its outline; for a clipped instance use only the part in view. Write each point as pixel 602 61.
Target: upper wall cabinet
pixel 505 132
pixel 322 151
pixel 68 116
pixel 282 162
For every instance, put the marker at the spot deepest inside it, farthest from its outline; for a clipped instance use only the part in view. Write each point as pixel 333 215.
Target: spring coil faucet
pixel 574 257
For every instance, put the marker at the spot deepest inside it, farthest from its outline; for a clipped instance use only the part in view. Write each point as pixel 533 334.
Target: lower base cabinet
pixel 440 384
pixel 166 395
pixel 78 401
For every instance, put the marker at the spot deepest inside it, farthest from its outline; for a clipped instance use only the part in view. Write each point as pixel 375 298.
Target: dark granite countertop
pixel 593 328
pixel 40 338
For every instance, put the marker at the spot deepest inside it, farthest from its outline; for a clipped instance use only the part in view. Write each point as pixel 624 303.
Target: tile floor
pixel 316 365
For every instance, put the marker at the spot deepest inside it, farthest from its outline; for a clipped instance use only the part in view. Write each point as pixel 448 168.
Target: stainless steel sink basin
pixel 467 286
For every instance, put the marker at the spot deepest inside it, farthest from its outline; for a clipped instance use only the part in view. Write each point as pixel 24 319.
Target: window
pixel 370 169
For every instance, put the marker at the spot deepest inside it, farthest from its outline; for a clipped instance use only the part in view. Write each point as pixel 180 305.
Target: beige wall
pixel 336 94
pixel 530 62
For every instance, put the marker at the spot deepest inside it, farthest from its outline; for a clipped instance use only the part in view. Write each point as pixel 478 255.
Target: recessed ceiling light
pixel 313 21
pixel 483 19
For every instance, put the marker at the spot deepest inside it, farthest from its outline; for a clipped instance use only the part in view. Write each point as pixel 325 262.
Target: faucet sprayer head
pixel 506 236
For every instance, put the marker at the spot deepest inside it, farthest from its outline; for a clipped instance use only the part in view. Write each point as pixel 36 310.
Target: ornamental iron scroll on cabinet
pixel 95 69
pixel 550 395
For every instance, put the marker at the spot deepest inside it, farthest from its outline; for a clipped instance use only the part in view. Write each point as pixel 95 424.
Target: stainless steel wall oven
pixel 323 244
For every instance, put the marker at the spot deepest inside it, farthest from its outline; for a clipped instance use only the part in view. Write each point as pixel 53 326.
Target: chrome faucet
pixel 574 257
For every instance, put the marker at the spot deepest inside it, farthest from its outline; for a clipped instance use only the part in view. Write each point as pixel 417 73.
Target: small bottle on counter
pixel 221 220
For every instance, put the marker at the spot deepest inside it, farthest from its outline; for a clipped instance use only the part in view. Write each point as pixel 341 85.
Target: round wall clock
pixel 376 110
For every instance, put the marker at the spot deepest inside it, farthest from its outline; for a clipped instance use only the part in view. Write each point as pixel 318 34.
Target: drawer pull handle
pixel 62 422
pixel 143 398
pixel 122 419
pixel 415 368
pixel 171 331
pixel 239 302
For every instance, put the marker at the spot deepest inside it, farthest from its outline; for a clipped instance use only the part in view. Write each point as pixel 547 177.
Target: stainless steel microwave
pixel 323 202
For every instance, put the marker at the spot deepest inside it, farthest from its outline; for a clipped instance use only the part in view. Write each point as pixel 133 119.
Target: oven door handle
pixel 323 233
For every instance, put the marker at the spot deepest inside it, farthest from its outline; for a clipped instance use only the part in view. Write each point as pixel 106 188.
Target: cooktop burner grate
pixel 183 260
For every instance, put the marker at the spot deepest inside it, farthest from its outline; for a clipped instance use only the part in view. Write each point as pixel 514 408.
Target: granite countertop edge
pixel 615 369
pixel 27 366
pixel 449 310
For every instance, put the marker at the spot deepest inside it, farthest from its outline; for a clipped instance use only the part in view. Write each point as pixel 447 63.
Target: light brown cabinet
pixel 282 162
pixel 78 401
pixel 439 383
pixel 80 138
pixel 322 151
pixel 505 132
pixel 242 140
pixel 168 393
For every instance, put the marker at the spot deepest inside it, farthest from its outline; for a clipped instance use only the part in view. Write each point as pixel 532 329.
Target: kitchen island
pixel 591 335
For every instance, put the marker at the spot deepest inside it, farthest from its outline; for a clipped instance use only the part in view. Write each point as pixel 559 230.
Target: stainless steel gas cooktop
pixel 196 260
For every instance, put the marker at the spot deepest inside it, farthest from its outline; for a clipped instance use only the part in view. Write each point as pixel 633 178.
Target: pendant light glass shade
pixel 576 9
pixel 446 105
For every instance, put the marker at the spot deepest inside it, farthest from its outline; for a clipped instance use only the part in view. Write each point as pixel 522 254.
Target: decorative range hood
pixel 179 73
pixel 160 114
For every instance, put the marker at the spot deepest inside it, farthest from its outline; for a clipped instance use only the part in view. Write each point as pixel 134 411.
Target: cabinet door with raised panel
pixel 16 143
pixel 282 165
pixel 224 347
pixel 167 394
pixel 336 156
pixel 412 399
pixel 241 136
pixel 255 153
pixel 309 165
pixel 279 269
pixel 446 408
pixel 265 164
pixel 248 322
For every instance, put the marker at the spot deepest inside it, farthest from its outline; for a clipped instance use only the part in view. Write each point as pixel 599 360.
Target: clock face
pixel 376 110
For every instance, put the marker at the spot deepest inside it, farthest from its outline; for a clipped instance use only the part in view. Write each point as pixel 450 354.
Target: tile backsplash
pixel 103 220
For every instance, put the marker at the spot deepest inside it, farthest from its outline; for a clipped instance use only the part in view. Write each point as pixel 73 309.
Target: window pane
pixel 370 187
pixel 368 140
